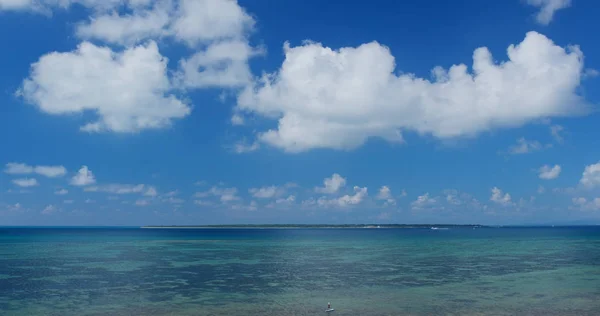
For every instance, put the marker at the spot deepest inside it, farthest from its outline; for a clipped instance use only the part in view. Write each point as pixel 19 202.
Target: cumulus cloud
pixel 220 65
pixel 386 194
pixel 117 188
pixel 347 200
pixel 128 91
pixel 48 171
pixel 25 182
pixel 225 195
pixel 548 8
pixel 241 147
pixel 499 197
pixel 555 131
pixel 49 209
pixel 46 6
pixel 591 176
pixel 200 21
pixel 173 200
pixel 151 191
pixel 583 204
pixel 23 5
pixel 451 198
pixel 220 27
pixel 289 200
pixel 61 192
pixel 423 201
pixel 51 171
pixel 128 29
pixel 332 185
pixel 525 146
pixel 325 98
pixel 17 168
pixel 541 190
pixel 548 173
pixel 203 203
pixel 253 206
pixel 83 177
pixel 266 192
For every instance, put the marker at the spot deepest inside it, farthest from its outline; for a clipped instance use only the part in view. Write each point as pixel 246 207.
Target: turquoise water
pixel 460 271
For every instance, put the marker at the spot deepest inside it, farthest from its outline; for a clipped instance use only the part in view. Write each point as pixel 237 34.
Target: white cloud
pixel 548 8
pixel 591 176
pixel 219 26
pixel 289 200
pixel 541 190
pixel 524 146
pixel 253 206
pixel 128 91
pixel 499 197
pixel 203 203
pixel 25 182
pixel 386 194
pixel 191 21
pixel 423 201
pixel 584 205
pixel 548 173
pixel 46 6
pixel 173 200
pixel 459 201
pixel 220 65
pixel 20 5
pixel 326 98
pixel 332 185
pixel 68 201
pixel 128 29
pixel 590 73
pixel 266 192
pixel 347 200
pixel 151 191
pixel 225 194
pixel 117 188
pixel 51 171
pixel 199 21
pixel 142 202
pixel 61 192
pixel 241 148
pixel 451 198
pixel 49 209
pixel 18 168
pixel 579 200
pixel 83 177
pixel 48 171
pixel 237 119
pixel 555 131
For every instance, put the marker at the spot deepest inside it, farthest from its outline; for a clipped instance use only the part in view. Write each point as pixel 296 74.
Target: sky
pixel 171 112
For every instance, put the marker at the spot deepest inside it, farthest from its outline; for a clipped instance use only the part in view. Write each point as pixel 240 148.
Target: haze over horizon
pixel 197 112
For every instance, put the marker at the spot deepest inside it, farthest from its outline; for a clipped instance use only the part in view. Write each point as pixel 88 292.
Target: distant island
pixel 320 226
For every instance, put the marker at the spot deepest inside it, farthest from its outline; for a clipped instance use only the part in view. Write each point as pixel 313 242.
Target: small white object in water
pixel 329 309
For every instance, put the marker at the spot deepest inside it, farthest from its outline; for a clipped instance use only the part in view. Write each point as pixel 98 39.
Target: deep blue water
pixel 125 271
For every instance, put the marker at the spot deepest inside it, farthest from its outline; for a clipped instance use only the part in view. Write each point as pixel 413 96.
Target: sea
pixel 288 271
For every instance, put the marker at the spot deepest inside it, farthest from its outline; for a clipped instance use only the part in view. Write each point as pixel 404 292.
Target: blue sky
pixel 140 112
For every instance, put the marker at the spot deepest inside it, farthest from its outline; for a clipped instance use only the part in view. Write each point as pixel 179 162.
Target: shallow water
pixel 461 271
